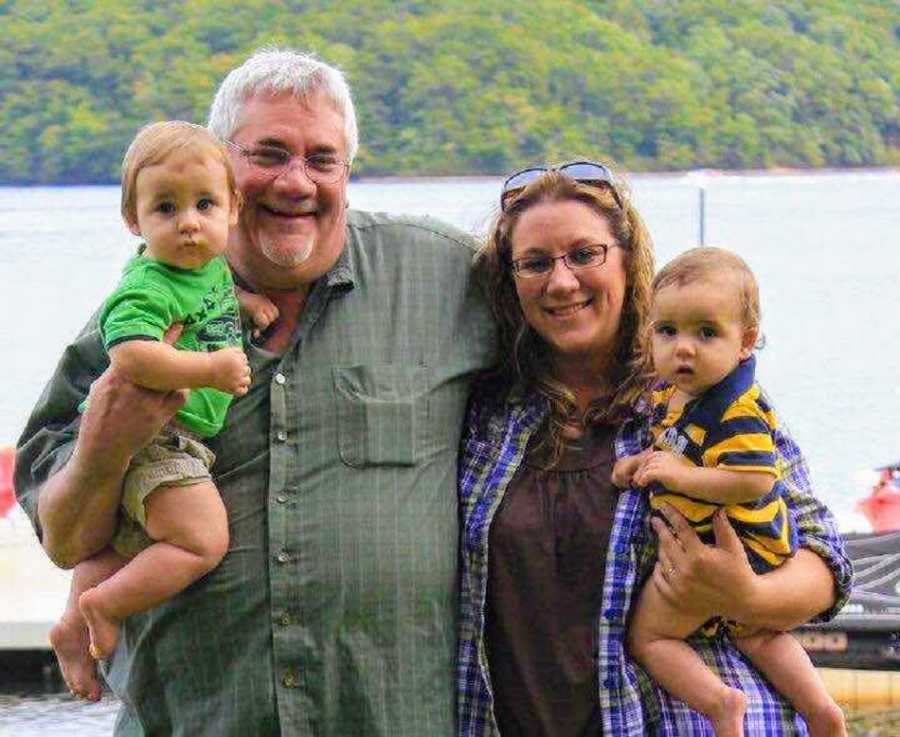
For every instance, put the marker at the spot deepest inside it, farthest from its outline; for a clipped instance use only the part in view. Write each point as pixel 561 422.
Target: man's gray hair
pixel 273 70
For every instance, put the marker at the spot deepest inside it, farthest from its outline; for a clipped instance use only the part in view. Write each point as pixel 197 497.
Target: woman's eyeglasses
pixel 584 172
pixel 322 168
pixel 584 257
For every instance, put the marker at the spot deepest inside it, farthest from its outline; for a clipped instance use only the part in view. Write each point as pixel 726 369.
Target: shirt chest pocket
pixel 382 413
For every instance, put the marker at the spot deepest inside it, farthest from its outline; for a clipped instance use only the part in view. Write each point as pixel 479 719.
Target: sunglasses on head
pixel 584 172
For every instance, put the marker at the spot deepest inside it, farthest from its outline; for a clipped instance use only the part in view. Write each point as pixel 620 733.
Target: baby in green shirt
pixel 179 195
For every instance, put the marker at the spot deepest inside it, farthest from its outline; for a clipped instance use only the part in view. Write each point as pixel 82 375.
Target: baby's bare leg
pixel 69 637
pixel 656 640
pixel 190 526
pixel 782 659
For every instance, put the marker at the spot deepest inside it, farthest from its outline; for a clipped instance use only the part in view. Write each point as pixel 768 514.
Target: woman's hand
pixel 703 579
pixel 718 580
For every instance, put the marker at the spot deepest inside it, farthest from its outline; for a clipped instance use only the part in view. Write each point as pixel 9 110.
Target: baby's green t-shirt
pixel 152 296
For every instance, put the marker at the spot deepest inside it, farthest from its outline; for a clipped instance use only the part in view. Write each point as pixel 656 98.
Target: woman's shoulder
pixel 494 404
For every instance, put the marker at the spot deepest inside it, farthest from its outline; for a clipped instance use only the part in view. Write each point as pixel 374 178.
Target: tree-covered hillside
pixel 471 86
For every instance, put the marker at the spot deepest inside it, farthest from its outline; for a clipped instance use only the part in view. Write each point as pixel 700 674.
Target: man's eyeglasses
pixel 585 172
pixel 583 257
pixel 322 168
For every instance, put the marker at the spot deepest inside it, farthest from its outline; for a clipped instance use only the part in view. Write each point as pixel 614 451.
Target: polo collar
pixel 707 409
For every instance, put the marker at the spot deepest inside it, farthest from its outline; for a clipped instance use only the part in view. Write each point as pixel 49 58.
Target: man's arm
pixel 69 467
pixel 157 365
pixel 77 506
pixel 715 485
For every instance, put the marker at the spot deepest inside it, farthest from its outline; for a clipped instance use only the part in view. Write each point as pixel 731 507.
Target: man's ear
pixel 748 342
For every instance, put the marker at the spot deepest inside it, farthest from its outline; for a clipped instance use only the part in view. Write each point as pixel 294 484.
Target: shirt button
pixel 289 680
pixel 281 498
pixel 279 378
pixel 281 436
pixel 282 557
pixel 285 620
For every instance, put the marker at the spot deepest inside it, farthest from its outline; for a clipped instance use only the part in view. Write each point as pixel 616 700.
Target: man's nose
pixel 294 178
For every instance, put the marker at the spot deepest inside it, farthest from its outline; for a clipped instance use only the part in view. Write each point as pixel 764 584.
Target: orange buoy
pixel 7 495
pixel 882 507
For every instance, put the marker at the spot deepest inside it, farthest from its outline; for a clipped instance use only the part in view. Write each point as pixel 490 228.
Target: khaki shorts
pixel 174 458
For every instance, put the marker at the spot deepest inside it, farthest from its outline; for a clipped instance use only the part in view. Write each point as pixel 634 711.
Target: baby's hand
pixel 230 371
pixel 624 470
pixel 660 466
pixel 259 308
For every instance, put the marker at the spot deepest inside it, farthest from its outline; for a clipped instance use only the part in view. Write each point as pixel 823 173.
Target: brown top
pixel 546 561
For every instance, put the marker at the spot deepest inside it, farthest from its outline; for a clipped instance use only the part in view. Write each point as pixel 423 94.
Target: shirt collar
pixel 706 410
pixel 342 275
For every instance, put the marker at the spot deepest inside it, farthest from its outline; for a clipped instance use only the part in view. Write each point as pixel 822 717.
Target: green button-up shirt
pixel 334 611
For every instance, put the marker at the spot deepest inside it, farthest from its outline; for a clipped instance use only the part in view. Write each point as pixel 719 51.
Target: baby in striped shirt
pixel 713 449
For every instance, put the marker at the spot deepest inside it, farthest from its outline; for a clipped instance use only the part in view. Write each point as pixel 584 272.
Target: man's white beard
pixel 287 257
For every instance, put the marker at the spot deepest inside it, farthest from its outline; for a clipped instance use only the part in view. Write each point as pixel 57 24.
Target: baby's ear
pixel 237 202
pixel 133 227
pixel 748 342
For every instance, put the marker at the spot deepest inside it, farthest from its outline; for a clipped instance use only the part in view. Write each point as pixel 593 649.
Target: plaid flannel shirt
pixel 494 442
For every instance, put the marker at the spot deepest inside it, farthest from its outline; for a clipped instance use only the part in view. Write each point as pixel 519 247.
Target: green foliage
pixel 471 86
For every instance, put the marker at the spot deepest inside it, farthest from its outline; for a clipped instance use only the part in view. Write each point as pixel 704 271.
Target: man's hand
pixel 230 371
pixel 122 417
pixel 703 578
pixel 663 467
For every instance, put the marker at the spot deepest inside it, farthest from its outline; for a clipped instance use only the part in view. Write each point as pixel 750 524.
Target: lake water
pixel 824 247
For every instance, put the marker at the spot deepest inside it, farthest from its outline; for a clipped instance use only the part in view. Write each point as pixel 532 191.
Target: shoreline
pixel 706 173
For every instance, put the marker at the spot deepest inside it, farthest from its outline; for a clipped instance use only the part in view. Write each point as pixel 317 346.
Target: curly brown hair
pixel 525 360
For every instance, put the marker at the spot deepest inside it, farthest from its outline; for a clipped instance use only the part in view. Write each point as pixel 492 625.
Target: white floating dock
pixel 32 590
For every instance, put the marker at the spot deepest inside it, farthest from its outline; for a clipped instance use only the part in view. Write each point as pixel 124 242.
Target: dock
pixel 32 590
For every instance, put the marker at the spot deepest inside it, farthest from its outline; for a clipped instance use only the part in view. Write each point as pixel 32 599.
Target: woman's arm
pixel 719 577
pixel 815 583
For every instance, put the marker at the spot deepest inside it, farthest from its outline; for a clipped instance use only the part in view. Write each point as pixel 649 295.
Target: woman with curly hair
pixel 552 555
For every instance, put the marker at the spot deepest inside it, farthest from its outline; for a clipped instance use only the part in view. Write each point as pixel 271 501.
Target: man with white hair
pixel 333 612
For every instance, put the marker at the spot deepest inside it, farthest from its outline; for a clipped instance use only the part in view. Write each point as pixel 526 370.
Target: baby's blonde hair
pixel 154 143
pixel 707 263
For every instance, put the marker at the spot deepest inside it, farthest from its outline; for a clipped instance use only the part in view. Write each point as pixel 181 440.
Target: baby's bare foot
pixel 102 627
pixel 827 722
pixel 70 639
pixel 728 720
